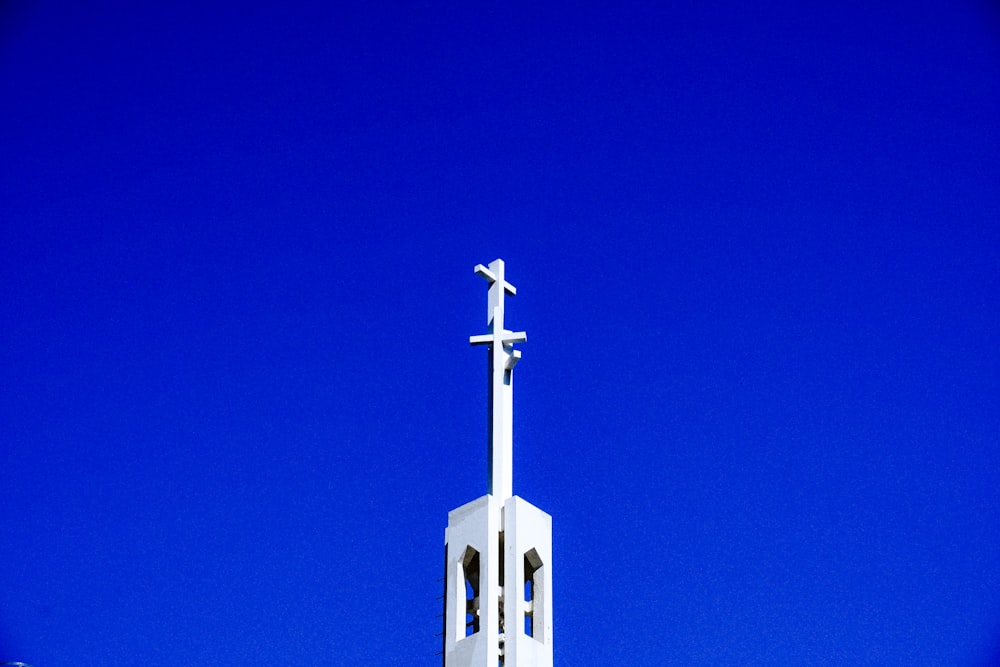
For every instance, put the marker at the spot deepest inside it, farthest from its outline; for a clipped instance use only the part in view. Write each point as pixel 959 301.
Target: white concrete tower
pixel 498 548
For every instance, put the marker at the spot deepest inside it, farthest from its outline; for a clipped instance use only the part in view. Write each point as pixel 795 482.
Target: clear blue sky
pixel 757 253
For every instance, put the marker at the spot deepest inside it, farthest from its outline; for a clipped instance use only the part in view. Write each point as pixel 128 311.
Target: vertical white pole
pixel 502 358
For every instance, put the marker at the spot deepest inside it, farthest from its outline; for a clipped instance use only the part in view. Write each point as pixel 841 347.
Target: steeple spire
pixel 502 359
pixel 498 548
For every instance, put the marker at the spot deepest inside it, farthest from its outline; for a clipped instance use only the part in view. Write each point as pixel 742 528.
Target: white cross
pixel 498 336
pixel 503 358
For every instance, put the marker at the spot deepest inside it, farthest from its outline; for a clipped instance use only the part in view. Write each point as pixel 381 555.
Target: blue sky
pixel 757 255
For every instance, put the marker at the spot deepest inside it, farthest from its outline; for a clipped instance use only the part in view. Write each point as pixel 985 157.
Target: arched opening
pixel 470 575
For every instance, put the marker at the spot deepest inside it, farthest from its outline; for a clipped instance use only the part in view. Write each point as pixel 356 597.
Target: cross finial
pixel 503 357
pixel 499 287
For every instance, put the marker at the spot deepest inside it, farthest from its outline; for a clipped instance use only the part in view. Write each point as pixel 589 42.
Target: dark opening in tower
pixel 532 593
pixel 470 573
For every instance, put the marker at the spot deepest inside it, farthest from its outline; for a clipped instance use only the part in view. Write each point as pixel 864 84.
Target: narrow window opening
pixel 500 625
pixel 532 593
pixel 470 571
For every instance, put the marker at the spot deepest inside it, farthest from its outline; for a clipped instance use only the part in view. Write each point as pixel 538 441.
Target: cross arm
pixel 492 278
pixel 505 337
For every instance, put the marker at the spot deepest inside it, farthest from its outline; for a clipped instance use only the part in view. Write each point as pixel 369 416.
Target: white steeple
pixel 498 548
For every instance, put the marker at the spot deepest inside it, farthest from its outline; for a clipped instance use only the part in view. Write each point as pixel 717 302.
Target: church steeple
pixel 498 548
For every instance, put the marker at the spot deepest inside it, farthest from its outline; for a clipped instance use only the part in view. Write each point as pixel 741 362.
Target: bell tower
pixel 498 548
